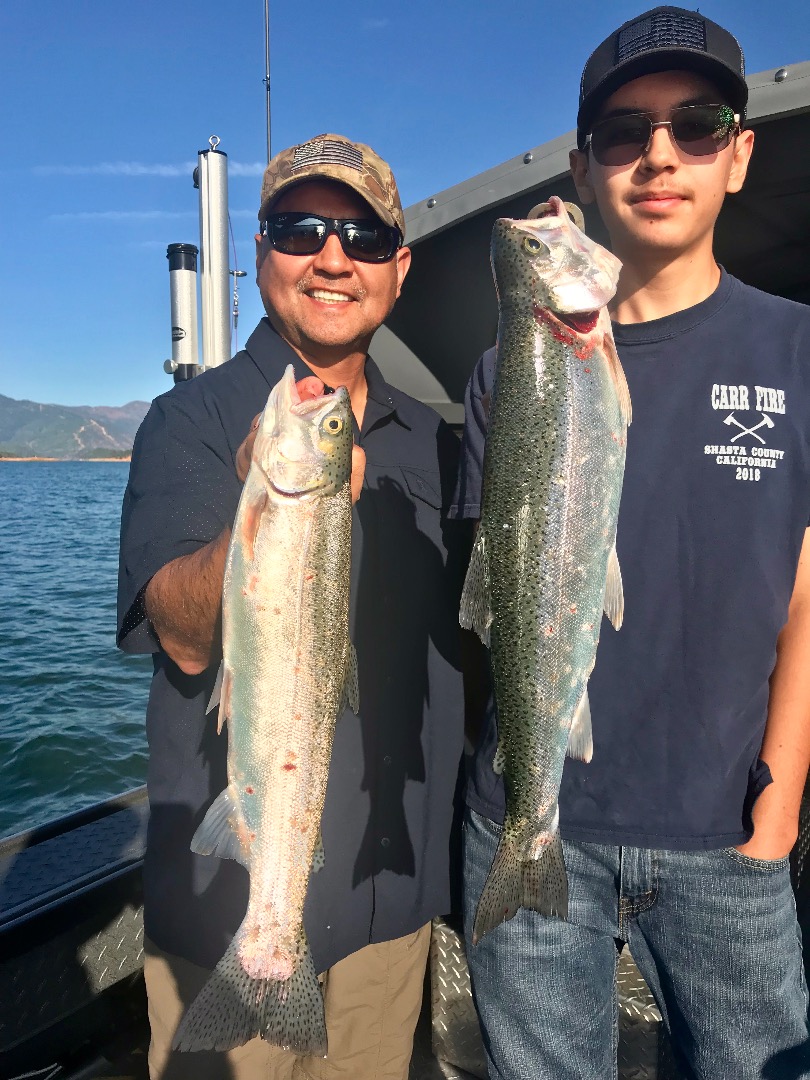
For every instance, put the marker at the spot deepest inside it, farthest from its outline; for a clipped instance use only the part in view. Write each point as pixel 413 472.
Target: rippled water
pixel 71 706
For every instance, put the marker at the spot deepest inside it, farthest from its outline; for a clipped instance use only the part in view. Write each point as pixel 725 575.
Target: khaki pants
pixel 372 1001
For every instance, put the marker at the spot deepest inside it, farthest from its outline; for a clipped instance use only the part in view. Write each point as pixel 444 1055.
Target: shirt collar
pixel 268 349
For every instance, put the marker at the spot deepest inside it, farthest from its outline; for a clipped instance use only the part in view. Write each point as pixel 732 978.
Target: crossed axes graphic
pixel 764 422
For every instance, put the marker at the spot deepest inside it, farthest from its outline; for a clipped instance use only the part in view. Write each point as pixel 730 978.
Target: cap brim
pixel 339 176
pixel 728 81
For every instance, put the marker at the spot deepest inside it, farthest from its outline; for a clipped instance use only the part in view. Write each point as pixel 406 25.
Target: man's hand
pixel 308 388
pixel 245 451
pixel 786 746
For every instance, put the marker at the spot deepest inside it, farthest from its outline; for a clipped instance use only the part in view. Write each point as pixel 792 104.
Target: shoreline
pixel 88 461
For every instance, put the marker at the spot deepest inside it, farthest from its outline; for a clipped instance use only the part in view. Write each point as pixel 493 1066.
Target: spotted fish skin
pixel 288 669
pixel 544 566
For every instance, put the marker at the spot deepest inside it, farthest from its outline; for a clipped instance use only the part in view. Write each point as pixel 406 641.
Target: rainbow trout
pixel 288 669
pixel 544 563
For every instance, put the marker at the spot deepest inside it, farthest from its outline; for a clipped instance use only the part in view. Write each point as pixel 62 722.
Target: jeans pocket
pixel 485 824
pixel 768 866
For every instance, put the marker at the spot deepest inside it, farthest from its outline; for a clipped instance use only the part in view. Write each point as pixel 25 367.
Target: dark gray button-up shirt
pixel 389 800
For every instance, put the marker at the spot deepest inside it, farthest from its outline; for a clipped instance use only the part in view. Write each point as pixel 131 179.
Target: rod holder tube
pixel 214 271
pixel 183 295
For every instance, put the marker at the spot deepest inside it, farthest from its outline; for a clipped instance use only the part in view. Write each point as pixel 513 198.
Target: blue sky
pixel 105 105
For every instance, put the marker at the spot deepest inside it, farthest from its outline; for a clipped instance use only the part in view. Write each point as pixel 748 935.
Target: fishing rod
pixel 266 79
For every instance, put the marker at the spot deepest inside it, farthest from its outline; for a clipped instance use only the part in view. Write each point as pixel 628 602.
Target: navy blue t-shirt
pixel 390 796
pixel 714 509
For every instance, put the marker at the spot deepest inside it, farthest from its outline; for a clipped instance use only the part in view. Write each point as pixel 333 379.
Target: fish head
pixel 550 264
pixel 304 447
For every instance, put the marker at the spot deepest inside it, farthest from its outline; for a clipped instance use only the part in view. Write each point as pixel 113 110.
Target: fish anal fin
pixel 234 1007
pixel 614 590
pixel 222 832
pixel 225 697
pixel 580 739
pixel 499 760
pixel 476 606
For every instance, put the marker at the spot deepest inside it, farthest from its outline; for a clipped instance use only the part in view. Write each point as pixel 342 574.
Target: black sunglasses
pixel 698 130
pixel 366 240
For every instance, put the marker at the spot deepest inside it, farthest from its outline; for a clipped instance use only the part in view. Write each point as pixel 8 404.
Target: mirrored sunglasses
pixel 367 240
pixel 697 130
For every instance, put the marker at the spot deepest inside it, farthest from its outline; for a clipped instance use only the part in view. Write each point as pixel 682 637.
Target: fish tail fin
pixel 539 884
pixel 233 1008
pixel 545 881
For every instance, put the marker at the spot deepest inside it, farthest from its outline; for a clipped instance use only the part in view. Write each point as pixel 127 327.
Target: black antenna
pixel 266 79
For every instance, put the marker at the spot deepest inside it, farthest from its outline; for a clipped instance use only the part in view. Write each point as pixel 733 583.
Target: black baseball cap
pixel 663 39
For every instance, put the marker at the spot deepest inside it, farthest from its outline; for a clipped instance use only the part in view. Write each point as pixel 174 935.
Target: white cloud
pixel 137 215
pixel 374 24
pixel 122 215
pixel 142 168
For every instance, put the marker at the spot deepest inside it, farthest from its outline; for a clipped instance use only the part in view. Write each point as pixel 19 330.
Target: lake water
pixel 71 705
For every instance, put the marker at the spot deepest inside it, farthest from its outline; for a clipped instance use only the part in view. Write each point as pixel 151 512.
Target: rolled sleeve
pixel 182 491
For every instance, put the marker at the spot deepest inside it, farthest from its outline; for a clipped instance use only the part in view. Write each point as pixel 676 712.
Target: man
pixel 330 264
pixel 677 834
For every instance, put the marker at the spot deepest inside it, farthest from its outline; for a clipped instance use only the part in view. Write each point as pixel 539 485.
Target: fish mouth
pixel 580 323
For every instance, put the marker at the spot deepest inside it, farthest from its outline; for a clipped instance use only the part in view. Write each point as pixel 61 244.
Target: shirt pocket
pixel 424 486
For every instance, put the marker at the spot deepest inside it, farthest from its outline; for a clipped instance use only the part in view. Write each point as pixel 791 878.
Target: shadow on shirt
pixel 406 633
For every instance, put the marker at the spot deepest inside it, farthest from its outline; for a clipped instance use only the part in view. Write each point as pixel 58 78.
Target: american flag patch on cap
pixel 326 152
pixel 661 30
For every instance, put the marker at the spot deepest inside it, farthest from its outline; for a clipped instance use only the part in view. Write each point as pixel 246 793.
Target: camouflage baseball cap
pixel 334 157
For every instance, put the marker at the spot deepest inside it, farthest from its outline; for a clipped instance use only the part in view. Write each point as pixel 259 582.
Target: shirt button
pixel 385 842
pixel 387 759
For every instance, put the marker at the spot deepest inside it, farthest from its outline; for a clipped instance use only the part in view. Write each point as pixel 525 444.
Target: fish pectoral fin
pixel 318 857
pixel 220 830
pixel 614 590
pixel 580 738
pixel 351 692
pixel 476 605
pixel 249 517
pixel 616 370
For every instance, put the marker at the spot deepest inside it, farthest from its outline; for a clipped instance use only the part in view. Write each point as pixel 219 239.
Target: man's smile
pixel 328 296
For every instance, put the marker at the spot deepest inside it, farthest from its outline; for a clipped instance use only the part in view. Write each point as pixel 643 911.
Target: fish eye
pixel 333 424
pixel 534 246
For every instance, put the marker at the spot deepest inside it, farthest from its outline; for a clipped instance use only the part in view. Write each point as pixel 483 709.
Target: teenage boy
pixel 676 836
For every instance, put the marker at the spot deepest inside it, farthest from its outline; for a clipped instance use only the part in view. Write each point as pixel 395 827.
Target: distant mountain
pixel 28 429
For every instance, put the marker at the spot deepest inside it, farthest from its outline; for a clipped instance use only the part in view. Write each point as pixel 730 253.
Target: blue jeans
pixel 714 933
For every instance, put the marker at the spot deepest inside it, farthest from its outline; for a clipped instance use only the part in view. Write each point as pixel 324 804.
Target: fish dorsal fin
pixel 616 370
pixel 318 857
pixel 580 739
pixel 476 607
pixel 614 590
pixel 220 830
pixel 351 691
